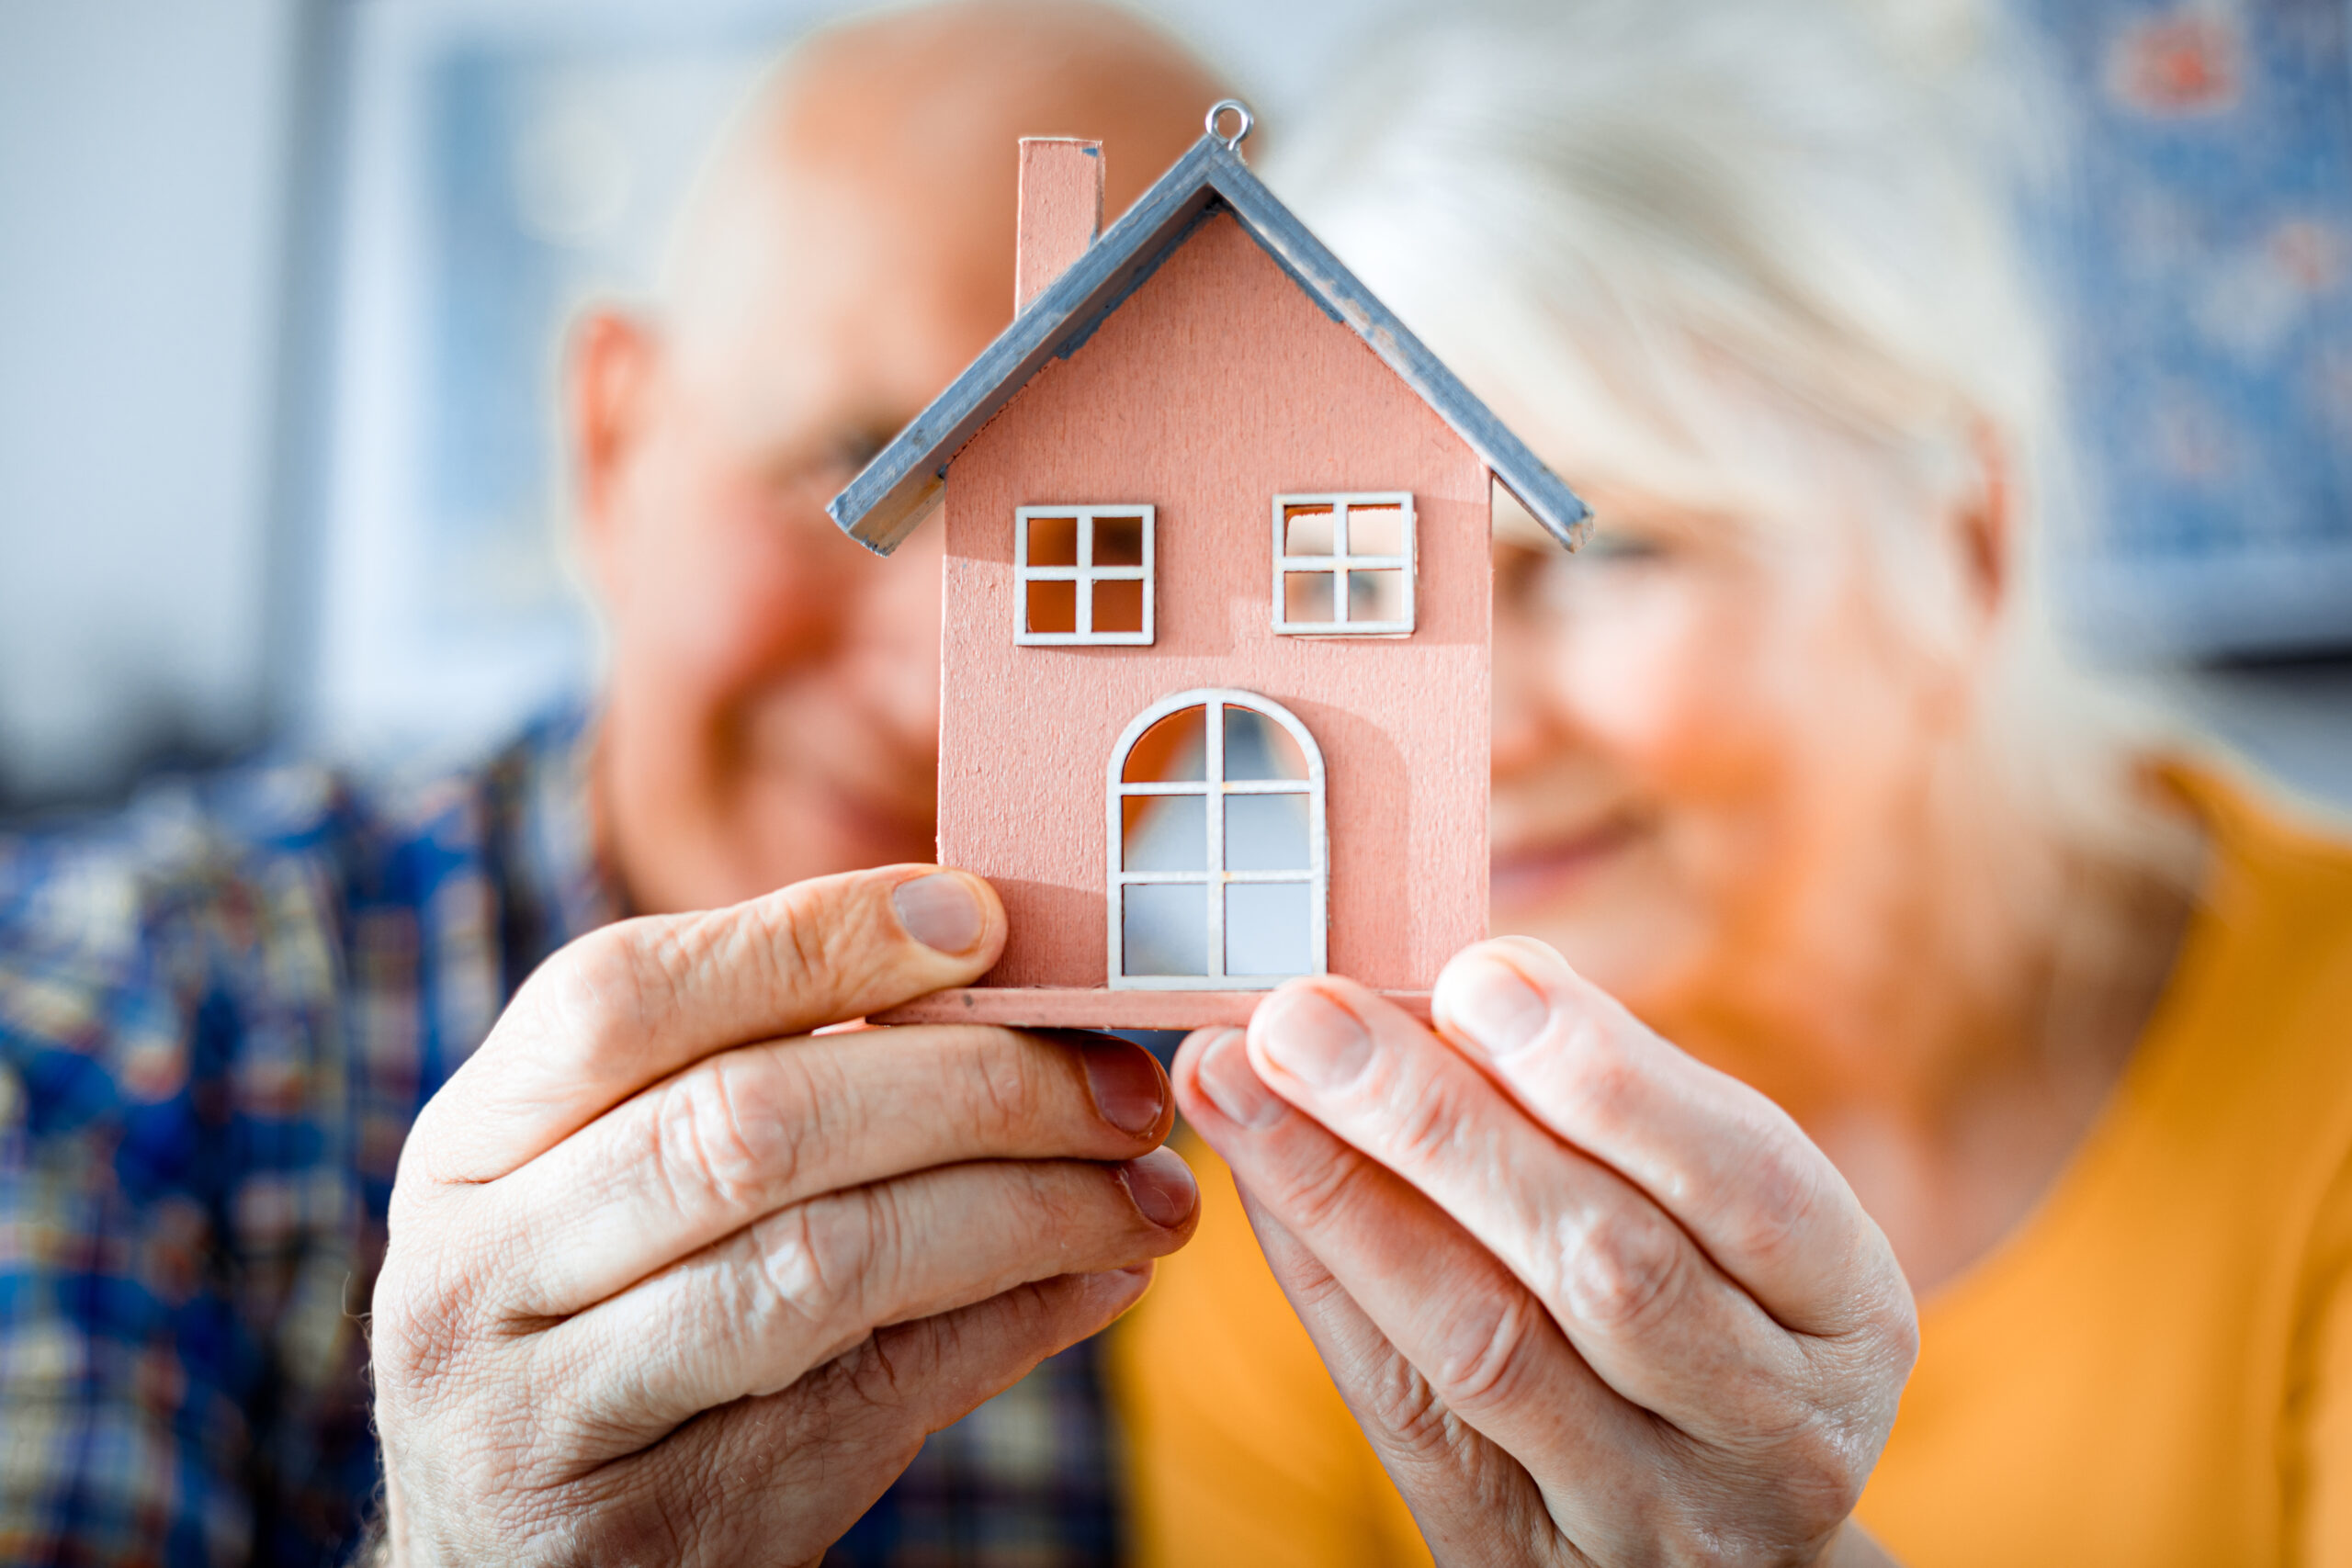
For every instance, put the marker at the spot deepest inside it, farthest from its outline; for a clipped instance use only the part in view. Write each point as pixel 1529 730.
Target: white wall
pixel 144 155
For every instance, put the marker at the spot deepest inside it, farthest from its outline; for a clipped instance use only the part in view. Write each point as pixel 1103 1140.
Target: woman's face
pixel 1709 756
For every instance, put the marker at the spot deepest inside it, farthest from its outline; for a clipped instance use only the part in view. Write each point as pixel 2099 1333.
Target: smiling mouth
pixel 1525 873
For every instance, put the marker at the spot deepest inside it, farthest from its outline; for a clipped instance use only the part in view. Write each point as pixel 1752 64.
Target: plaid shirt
pixel 219 1014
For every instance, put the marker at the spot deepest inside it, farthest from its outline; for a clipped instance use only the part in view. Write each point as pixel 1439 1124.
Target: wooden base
pixel 1025 1007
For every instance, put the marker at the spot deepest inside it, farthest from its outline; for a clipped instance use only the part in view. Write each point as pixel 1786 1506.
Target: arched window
pixel 1218 869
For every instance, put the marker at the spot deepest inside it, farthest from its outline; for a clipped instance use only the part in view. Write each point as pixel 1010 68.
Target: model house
pixel 1217 633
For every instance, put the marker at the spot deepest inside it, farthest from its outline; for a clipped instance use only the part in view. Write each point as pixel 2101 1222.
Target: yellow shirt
pixel 2154 1369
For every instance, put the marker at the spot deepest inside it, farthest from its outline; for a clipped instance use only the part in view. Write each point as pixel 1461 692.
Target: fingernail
pixel 1162 1187
pixel 1493 1004
pixel 1129 1090
pixel 1308 1033
pixel 1233 1086
pixel 939 911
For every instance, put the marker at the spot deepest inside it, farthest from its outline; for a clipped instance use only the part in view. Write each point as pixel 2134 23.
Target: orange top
pixel 2154 1369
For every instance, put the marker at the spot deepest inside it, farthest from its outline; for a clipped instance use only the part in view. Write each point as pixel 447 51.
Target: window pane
pixel 1268 928
pixel 1053 606
pixel 1265 832
pixel 1165 929
pixel 1174 751
pixel 1118 541
pixel 1306 531
pixel 1118 605
pixel 1165 832
pixel 1306 596
pixel 1053 541
pixel 1375 596
pixel 1258 747
pixel 1375 530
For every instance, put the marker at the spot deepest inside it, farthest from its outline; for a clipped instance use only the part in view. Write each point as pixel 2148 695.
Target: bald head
pixel 772 706
pixel 904 127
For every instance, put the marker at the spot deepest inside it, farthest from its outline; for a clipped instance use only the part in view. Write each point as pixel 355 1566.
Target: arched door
pixel 1219 875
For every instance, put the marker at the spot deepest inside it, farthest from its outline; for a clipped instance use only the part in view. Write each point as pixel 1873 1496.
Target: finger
pixel 1639 1301
pixel 779 1478
pixel 753 1314
pixel 1357 1243
pixel 742 1133
pixel 1473 1501
pixel 1729 1164
pixel 628 1005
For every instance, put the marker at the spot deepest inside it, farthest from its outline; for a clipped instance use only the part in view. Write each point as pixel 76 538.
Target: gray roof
pixel 897 491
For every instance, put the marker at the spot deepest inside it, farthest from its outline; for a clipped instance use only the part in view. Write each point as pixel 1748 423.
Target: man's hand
pixel 1591 1301
pixel 671 1281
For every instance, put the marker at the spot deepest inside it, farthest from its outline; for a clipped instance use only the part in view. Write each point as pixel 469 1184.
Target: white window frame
pixel 1086 574
pixel 1215 786
pixel 1342 561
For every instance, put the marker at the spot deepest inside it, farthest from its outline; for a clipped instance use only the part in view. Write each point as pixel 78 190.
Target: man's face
pixel 774 696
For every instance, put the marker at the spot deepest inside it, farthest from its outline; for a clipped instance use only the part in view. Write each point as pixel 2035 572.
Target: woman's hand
pixel 671 1281
pixel 1591 1301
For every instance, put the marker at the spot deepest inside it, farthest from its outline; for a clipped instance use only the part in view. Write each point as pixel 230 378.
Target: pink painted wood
pixel 1061 210
pixel 1021 1007
pixel 1215 386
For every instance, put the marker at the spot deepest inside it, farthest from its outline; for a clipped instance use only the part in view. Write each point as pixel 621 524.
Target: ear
pixel 614 360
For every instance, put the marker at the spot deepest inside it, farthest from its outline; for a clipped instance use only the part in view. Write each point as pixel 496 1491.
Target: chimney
pixel 1061 209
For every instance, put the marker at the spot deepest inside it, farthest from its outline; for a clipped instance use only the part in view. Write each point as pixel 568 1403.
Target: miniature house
pixel 1216 629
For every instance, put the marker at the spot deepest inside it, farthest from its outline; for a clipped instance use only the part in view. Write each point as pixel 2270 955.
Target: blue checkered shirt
pixel 219 1013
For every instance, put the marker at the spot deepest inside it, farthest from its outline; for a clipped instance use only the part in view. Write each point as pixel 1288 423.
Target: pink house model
pixel 1217 633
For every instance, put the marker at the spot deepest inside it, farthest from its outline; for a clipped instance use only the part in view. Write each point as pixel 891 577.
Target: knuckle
pixel 807 944
pixel 1426 1124
pixel 1323 1196
pixel 1003 1090
pixel 1620 1269
pixel 1405 1405
pixel 1602 1075
pixel 1489 1345
pixel 606 988
pixel 717 1138
pixel 1057 1207
pixel 823 1260
pixel 1779 1204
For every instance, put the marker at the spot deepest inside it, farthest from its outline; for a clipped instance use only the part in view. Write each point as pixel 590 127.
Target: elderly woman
pixel 1789 764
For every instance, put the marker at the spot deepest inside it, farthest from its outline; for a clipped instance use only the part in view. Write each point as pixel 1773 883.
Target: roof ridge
pixel 895 492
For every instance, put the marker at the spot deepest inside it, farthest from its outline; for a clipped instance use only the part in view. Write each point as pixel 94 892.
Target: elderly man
pixel 665 1280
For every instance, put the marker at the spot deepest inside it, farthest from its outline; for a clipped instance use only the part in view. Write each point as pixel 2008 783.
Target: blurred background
pixel 282 284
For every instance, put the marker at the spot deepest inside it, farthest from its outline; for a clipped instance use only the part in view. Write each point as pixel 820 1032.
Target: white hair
pixel 1719 252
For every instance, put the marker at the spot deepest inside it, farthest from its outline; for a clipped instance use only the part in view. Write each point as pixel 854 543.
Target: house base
pixel 1040 1007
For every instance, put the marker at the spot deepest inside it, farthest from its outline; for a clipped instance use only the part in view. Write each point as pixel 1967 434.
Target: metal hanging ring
pixel 1244 119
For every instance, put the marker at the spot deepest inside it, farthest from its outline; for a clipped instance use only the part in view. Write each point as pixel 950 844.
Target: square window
pixel 1165 929
pixel 1082 575
pixel 1118 604
pixel 1165 832
pixel 1053 541
pixel 1266 832
pixel 1306 596
pixel 1052 608
pixel 1269 928
pixel 1308 531
pixel 1375 530
pixel 1344 565
pixel 1118 541
pixel 1375 596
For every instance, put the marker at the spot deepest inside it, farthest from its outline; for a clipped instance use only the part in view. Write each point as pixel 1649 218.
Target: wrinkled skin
pixel 1591 1301
pixel 674 1280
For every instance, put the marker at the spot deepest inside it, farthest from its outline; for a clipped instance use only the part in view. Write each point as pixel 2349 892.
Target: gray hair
pixel 1714 250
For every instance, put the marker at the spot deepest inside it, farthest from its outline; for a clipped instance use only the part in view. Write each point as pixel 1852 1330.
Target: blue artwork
pixel 2203 277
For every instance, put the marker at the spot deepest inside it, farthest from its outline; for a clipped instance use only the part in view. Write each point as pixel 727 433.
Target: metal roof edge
pixel 904 484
